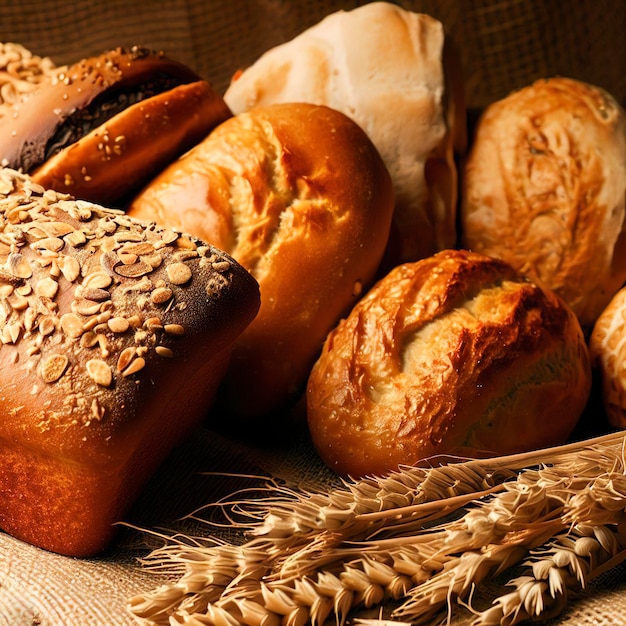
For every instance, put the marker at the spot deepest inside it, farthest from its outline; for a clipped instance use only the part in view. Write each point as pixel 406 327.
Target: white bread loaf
pixel 392 72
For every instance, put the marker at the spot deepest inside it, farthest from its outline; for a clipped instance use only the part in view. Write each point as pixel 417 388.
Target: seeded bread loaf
pixel 103 126
pixel 114 335
pixel 456 354
pixel 299 195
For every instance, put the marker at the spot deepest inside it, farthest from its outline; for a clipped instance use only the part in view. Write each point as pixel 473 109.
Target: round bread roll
pixel 456 354
pixel 395 73
pixel 105 125
pixel 607 348
pixel 544 189
pixel 298 195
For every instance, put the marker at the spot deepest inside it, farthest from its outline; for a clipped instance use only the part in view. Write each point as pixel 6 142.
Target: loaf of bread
pixel 456 354
pixel 105 125
pixel 299 195
pixel 114 335
pixel 397 74
pixel 544 189
pixel 607 348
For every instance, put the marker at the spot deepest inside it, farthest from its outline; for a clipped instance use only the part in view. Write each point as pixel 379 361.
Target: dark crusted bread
pixel 105 125
pixel 114 335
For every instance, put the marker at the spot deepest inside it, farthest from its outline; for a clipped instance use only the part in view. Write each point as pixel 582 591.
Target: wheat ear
pixel 371 556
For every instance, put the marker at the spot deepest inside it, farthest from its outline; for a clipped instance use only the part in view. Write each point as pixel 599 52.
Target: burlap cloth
pixel 505 44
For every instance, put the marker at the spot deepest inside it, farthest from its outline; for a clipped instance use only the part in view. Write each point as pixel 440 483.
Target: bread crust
pixel 544 189
pixel 134 111
pixel 607 350
pixel 114 336
pixel 456 354
pixel 298 194
pixel 404 87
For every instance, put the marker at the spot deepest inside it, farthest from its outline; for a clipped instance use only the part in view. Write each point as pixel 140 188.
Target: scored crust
pixel 298 194
pixel 403 87
pixel 114 335
pixel 544 189
pixel 454 354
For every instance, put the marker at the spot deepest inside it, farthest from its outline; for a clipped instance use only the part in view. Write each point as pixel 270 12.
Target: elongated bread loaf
pixel 299 195
pixel 114 335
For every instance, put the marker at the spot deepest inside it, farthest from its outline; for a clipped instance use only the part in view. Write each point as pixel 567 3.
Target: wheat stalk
pixel 310 556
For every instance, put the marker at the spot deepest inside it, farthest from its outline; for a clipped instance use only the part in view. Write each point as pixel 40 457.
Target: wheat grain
pixel 372 541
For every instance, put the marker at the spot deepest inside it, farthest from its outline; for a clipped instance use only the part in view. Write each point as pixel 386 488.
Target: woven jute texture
pixel 505 44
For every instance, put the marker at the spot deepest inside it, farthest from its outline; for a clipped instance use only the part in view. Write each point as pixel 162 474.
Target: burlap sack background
pixel 505 44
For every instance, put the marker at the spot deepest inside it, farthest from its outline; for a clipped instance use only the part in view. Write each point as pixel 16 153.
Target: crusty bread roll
pixel 298 194
pixel 397 75
pixel 456 354
pixel 544 189
pixel 105 125
pixel 114 335
pixel 607 348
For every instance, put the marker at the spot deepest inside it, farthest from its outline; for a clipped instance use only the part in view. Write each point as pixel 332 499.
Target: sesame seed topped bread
pixel 101 127
pixel 114 335
pixel 21 72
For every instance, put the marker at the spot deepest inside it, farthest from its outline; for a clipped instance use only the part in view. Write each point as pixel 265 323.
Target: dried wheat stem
pixel 567 564
pixel 343 553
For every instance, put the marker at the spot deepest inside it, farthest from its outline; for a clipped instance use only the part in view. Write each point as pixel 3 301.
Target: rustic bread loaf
pixel 544 189
pixel 397 74
pixel 456 354
pixel 298 194
pixel 607 348
pixel 103 126
pixel 114 335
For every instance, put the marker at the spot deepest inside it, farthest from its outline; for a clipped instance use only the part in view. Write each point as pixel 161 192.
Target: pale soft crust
pixel 393 72
pixel 298 194
pixel 544 189
pixel 452 355
pixel 120 154
pixel 114 335
pixel 607 348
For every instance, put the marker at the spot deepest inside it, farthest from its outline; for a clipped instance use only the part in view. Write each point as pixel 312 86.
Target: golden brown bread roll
pixel 456 354
pixel 105 125
pixel 397 74
pixel 113 338
pixel 298 194
pixel 607 348
pixel 544 190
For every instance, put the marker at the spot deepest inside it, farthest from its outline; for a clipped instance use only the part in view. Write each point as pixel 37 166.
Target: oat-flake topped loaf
pixel 114 335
